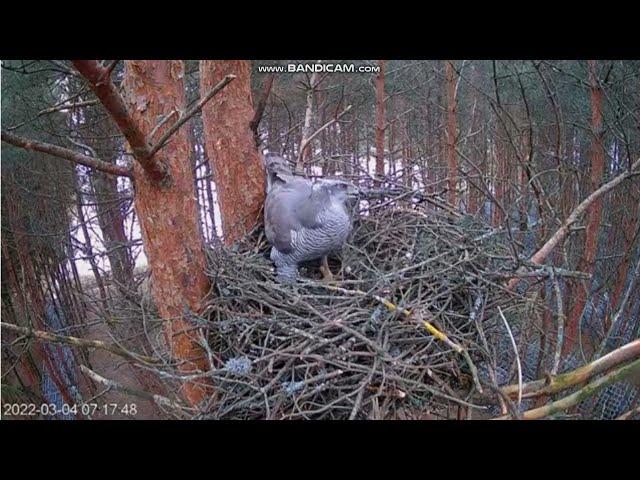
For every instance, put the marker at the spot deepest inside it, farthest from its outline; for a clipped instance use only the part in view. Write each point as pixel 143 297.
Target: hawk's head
pixel 278 170
pixel 339 190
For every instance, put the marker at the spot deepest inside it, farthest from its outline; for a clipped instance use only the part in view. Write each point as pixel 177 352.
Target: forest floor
pixel 120 371
pixel 117 370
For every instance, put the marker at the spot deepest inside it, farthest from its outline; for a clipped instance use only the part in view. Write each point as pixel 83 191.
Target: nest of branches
pixel 402 332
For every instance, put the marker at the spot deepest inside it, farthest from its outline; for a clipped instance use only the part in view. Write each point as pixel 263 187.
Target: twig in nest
pixel 427 325
pixel 515 350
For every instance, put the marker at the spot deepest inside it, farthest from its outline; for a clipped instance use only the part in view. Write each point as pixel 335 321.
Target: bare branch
pixel 515 351
pixel 159 400
pixel 185 117
pixel 561 234
pixel 105 90
pixel 582 394
pixel 308 141
pixel 61 152
pixel 567 380
pixel 79 342
pixel 262 103
pixel 68 106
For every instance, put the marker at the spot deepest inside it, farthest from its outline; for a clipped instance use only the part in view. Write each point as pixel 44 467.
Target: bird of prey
pixel 304 219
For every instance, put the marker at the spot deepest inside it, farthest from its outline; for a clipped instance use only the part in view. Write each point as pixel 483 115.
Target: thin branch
pixel 308 141
pixel 582 394
pixel 79 342
pixel 427 325
pixel 561 321
pixel 105 90
pixel 159 400
pixel 560 235
pixel 68 106
pixel 82 145
pixel 262 103
pixel 555 384
pixel 186 116
pixel 61 152
pixel 515 351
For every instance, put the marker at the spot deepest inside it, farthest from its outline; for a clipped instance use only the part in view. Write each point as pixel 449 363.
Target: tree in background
pixel 452 161
pixel 231 148
pixel 380 121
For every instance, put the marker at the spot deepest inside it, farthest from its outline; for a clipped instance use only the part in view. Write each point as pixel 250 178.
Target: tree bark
pixel 307 128
pixel 380 123
pixel 594 215
pixel 452 161
pixel 168 217
pixel 231 148
pixel 100 82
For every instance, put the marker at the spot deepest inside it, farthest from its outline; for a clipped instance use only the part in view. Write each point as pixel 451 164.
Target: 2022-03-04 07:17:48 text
pixel 46 409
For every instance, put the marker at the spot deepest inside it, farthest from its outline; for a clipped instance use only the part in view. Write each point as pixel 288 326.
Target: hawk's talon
pixel 327 276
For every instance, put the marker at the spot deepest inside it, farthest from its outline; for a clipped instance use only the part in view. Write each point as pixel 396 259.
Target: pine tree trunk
pixel 168 217
pixel 594 215
pixel 111 221
pixel 452 161
pixel 235 160
pixel 380 123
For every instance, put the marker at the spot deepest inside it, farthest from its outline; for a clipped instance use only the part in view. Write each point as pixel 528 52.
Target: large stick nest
pixel 335 351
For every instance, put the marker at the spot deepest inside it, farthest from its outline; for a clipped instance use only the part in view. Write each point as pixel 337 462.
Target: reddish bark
pixel 105 90
pixel 594 215
pixel 472 175
pixel 452 161
pixel 380 122
pixel 230 145
pixel 26 365
pixel 168 217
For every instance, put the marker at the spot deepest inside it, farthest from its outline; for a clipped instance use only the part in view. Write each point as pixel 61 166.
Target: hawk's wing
pixel 290 207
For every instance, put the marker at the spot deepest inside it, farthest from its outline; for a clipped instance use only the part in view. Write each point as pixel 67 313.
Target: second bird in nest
pixel 304 219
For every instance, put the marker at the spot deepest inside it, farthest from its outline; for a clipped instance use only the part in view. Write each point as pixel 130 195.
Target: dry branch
pixel 65 153
pixel 262 103
pixel 560 234
pixel 105 90
pixel 159 400
pixel 186 116
pixel 558 383
pixel 308 141
pixel 582 394
pixel 80 342
pixel 427 325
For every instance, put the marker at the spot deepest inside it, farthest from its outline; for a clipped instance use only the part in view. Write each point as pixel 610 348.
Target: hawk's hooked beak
pixel 353 191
